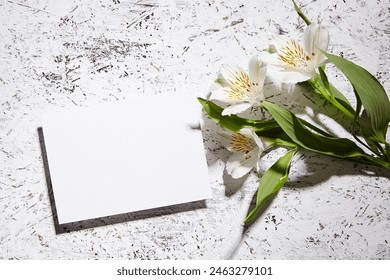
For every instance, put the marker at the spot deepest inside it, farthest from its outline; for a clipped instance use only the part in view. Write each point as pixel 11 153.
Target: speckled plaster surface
pixel 73 53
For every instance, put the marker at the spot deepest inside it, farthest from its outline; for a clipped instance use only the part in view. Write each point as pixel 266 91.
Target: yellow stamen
pixel 242 144
pixel 240 86
pixel 294 55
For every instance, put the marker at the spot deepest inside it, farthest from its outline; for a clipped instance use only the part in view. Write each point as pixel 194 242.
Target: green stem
pixel 302 15
pixel 387 148
pixel 330 98
pixel 283 143
pixel 376 161
pixel 365 145
pixel 279 142
pixel 380 148
pixel 317 86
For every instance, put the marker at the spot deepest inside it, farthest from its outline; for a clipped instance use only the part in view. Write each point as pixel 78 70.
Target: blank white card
pixel 143 153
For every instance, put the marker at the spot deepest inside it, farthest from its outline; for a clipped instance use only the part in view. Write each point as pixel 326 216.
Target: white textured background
pixel 73 53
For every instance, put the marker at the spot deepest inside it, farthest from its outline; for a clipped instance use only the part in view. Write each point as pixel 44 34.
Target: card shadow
pixel 108 220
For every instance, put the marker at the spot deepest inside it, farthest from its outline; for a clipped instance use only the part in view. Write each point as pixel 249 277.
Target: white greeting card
pixel 143 153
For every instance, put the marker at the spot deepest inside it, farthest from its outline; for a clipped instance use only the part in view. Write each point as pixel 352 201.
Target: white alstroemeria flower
pixel 246 147
pixel 297 63
pixel 235 87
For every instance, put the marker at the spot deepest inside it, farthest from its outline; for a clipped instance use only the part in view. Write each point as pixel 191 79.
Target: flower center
pixel 242 144
pixel 294 56
pixel 240 87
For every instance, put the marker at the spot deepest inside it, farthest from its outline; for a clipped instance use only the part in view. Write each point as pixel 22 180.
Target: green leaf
pixel 358 106
pixel 341 99
pixel 271 182
pixel 325 81
pixel 269 129
pixel 322 86
pixel 233 122
pixel 293 127
pixel 372 95
pixel 313 127
pixel 357 113
pixel 305 19
pixel 272 130
pixel 365 121
pixel 387 149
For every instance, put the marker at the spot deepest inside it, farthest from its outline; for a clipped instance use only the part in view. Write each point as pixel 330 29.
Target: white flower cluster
pixel 291 62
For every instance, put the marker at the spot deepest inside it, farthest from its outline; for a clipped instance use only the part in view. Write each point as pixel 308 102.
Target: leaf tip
pixel 300 13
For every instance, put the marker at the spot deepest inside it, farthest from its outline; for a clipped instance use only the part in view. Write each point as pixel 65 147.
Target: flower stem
pixel 376 161
pixel 330 98
pixel 380 148
pixel 328 95
pixel 387 149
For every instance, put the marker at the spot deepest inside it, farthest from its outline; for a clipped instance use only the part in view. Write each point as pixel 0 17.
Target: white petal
pixel 221 95
pixel 236 108
pixel 257 73
pixel 221 81
pixel 240 164
pixel 247 132
pixel 291 77
pixel 259 142
pixel 270 59
pixel 226 139
pixel 274 60
pixel 280 42
pixel 323 39
pixel 232 72
pixel 316 37
pixel 322 60
pixel 252 135
pixel 216 85
pixel 308 37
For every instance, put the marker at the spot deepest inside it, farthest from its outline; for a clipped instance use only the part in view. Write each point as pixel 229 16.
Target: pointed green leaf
pixel 293 127
pixel 387 149
pixel 271 182
pixel 325 81
pixel 269 129
pixel 341 99
pixel 365 122
pixel 233 122
pixel 298 10
pixel 313 127
pixel 321 84
pixel 358 108
pixel 372 95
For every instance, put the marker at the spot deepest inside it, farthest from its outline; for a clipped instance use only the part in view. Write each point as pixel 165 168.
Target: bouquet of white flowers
pixel 290 61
